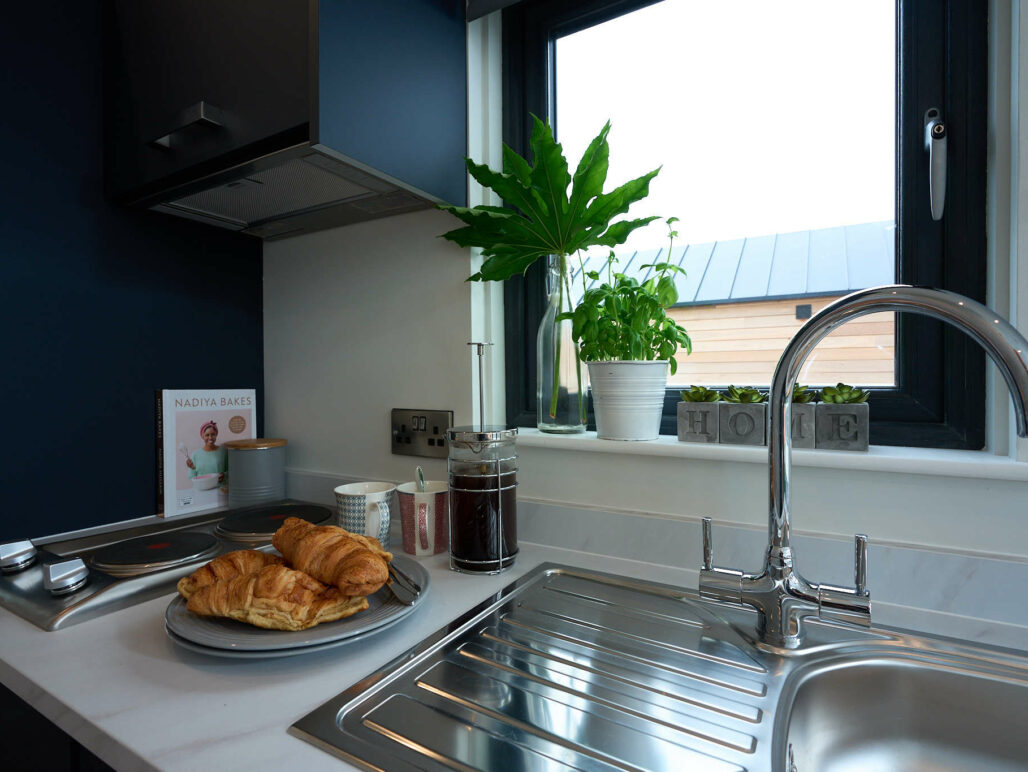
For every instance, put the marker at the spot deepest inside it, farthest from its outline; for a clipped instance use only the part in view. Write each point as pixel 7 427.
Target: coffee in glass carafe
pixel 483 475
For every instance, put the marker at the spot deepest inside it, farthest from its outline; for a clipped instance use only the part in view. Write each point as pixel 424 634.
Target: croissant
pixel 276 598
pixel 355 564
pixel 227 566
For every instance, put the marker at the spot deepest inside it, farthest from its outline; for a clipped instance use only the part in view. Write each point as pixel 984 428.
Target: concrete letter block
pixel 803 424
pixel 842 427
pixel 743 424
pixel 698 421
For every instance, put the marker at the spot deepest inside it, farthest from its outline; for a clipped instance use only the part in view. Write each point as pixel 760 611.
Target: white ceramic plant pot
pixel 628 398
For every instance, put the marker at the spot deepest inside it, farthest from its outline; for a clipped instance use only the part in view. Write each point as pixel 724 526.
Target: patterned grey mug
pixel 364 508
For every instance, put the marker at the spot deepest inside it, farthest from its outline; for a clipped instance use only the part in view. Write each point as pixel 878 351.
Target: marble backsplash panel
pixel 963 595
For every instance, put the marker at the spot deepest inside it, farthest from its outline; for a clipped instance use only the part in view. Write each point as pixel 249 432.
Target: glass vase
pixel 563 381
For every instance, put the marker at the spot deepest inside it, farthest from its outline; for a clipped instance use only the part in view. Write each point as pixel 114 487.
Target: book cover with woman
pixel 194 424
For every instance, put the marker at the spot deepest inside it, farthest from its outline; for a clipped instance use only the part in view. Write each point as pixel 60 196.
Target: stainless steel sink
pixel 574 669
pixel 884 713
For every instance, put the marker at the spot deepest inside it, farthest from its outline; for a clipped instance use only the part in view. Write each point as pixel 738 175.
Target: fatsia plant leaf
pixel 516 165
pixel 482 221
pixel 607 206
pixel 543 219
pixel 550 174
pixel 590 174
pixel 514 243
pixel 489 227
pixel 507 186
pixel 619 232
pixel 502 211
pixel 509 263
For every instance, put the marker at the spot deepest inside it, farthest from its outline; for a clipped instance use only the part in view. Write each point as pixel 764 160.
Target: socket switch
pixel 421 432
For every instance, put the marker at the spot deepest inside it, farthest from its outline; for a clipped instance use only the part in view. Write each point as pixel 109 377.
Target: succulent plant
pixel 745 396
pixel 843 394
pixel 700 394
pixel 804 394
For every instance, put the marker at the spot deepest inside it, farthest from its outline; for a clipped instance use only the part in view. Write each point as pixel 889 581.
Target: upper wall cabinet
pixel 275 117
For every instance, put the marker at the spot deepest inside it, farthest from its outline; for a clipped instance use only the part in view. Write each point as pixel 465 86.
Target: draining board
pixel 565 668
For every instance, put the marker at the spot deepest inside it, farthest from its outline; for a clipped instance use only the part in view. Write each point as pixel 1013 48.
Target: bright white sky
pixel 768 116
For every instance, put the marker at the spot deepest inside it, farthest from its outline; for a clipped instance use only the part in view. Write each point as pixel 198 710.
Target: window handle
pixel 935 146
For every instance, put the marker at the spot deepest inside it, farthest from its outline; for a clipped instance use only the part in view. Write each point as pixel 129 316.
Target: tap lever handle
pixel 860 563
pixel 708 549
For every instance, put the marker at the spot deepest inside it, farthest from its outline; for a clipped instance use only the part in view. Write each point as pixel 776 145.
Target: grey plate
pixel 232 636
pixel 272 653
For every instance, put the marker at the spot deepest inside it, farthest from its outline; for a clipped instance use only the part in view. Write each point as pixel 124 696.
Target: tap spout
pixel 1004 344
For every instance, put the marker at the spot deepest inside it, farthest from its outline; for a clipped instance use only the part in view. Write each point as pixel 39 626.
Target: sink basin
pixel 572 669
pixel 893 713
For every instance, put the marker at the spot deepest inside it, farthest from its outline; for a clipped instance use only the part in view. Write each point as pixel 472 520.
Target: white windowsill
pixel 880 458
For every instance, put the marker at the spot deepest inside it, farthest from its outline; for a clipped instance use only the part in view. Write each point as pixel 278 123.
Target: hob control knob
pixel 16 556
pixel 65 577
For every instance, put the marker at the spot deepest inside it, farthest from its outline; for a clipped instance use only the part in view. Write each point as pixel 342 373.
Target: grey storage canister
pixel 256 471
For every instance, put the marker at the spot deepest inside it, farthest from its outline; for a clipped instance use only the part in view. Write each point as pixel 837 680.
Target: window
pixel 778 202
pixel 857 80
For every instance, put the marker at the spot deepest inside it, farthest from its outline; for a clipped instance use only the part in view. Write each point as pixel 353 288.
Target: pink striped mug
pixel 425 517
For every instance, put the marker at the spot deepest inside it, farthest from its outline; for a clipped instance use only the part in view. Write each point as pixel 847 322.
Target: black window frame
pixel 942 53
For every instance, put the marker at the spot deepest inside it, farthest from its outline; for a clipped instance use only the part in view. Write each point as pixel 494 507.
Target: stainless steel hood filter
pixel 305 193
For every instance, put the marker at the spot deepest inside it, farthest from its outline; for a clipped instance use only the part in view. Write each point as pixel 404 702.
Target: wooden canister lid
pixel 259 444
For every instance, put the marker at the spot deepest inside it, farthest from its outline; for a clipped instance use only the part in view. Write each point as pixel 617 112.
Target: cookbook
pixel 192 463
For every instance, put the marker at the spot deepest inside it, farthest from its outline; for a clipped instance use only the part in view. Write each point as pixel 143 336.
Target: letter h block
pixel 698 421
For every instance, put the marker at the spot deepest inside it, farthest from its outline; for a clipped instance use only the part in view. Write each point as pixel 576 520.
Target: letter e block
pixel 842 427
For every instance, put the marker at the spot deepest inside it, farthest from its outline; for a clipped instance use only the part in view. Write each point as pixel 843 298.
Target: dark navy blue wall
pixel 99 306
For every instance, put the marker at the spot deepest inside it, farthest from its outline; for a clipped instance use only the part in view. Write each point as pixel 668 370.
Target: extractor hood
pixel 308 192
pixel 275 119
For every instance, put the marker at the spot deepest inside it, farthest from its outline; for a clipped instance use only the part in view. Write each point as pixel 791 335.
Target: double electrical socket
pixel 421 432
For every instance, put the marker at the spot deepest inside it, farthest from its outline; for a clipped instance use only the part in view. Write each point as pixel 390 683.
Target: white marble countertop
pixel 120 687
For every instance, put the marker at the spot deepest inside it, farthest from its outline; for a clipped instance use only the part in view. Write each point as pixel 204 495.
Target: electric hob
pixel 57 582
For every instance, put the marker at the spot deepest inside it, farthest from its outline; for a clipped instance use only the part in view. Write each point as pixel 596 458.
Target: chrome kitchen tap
pixel 781 596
